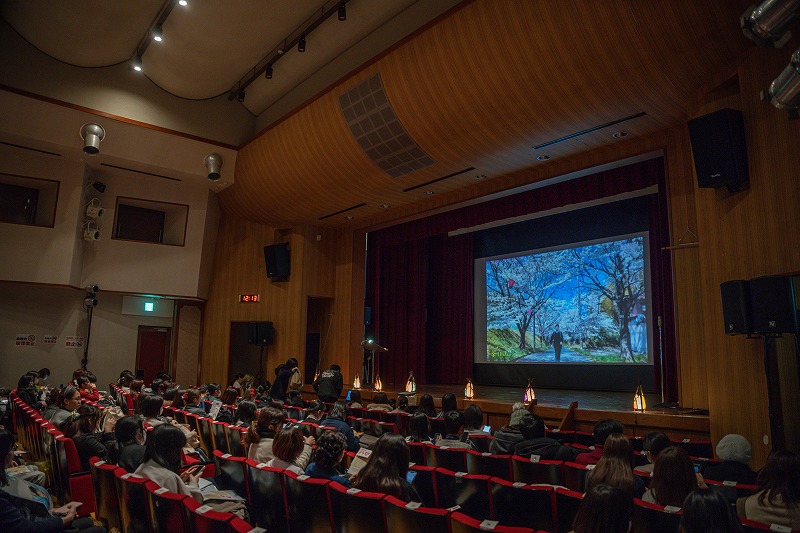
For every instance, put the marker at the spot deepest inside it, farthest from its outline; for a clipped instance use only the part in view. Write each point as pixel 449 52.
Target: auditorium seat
pixel 231 473
pixel 417 450
pixel 564 436
pixel 166 509
pixel 470 492
pixel 299 491
pixel 357 412
pixel 583 438
pixel 731 490
pixel 402 517
pixel 357 423
pixel 566 507
pixel 373 414
pixel 639 459
pixel 542 472
pixel 425 484
pixel 356 511
pixel 461 523
pixel 295 413
pixel 219 437
pixel 398 419
pixel 437 427
pixel 751 526
pixel 518 504
pixel 480 443
pixel 79 482
pixel 646 477
pixel 265 496
pixel 487 464
pixel 454 459
pixel 134 506
pixel 234 436
pixel 180 416
pixel 378 428
pixel 696 448
pixel 204 434
pixel 105 492
pixel 652 518
pixel 203 519
pixel 575 476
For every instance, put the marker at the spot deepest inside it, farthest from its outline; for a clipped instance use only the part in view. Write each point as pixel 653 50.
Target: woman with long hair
pixel 419 428
pixel 245 414
pixel 82 428
pixel 615 467
pixel 449 403
pixel 355 400
pixel 673 478
pixel 708 511
pixel 426 405
pixel 287 449
pixel 778 498
pixel 604 509
pixel 259 437
pixel 128 449
pixel 162 461
pixel 380 402
pixel 386 469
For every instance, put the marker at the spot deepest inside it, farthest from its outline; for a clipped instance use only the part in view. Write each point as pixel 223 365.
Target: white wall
pixel 43 310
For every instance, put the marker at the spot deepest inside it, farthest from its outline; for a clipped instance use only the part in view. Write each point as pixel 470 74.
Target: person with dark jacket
pixel 532 428
pixel 81 427
pixel 27 392
pixel 735 451
pixel 509 436
pixel 283 374
pixel 336 419
pixel 602 429
pixel 329 384
pixel 193 403
pixel 128 451
pixel 326 458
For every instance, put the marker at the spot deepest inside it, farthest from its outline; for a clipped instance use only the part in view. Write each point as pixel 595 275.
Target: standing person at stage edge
pixel 329 384
pixel 557 339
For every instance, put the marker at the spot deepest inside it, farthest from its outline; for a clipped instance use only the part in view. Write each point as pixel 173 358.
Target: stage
pixel 553 405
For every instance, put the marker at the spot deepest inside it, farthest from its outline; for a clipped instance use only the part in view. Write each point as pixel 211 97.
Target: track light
pixel 342 12
pixel 213 163
pixel 137 63
pixel 784 91
pixel 268 72
pixel 158 33
pixel 301 44
pixel 92 134
pixel 91 233
pixel 94 210
pixel 240 96
pixel 766 24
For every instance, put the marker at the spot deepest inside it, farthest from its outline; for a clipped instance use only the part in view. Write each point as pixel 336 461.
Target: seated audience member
pixel 290 451
pixel 193 403
pixel 473 420
pixel 27 392
pixel 27 507
pixel 449 403
pixel 55 402
pixel 734 450
pixel 402 405
pixel 245 414
pixel 295 399
pixel 708 511
pixel 386 469
pixel 70 401
pixel 654 443
pixel 532 428
pixel 86 390
pixel 327 456
pixel 355 400
pixel 162 461
pixel 602 429
pixel 615 467
pixel 455 437
pixel 380 402
pixel 41 379
pixel 259 437
pixel 329 384
pixel 78 373
pixel 507 437
pixel 778 498
pixel 419 428
pixel 336 419
pixel 237 381
pixel 228 399
pixel 426 406
pixel 315 412
pixel 82 429
pixel 128 450
pixel 125 380
pixel 136 389
pixel 151 407
pixel 673 478
pixel 604 509
pixel 179 401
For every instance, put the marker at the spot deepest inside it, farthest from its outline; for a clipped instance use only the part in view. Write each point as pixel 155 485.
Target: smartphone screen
pixel 436 437
pixel 348 395
pixel 410 475
pixel 487 429
pixel 696 469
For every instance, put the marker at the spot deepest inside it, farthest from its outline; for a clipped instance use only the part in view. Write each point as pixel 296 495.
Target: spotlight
pixel 268 72
pixel 92 134
pixel 213 163
pixel 766 24
pixel 92 289
pixel 90 302
pixel 342 12
pixel 99 186
pixel 94 210
pixel 137 63
pixel 91 233
pixel 158 33
pixel 784 91
pixel 301 44
pixel 240 96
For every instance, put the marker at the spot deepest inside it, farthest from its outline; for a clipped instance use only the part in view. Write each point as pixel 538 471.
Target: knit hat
pixel 734 448
pixel 516 417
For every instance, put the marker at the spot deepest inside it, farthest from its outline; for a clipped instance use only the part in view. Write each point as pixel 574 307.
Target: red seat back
pixel 517 504
pixel 166 509
pixel 411 518
pixel 105 493
pixel 355 510
pixel 461 523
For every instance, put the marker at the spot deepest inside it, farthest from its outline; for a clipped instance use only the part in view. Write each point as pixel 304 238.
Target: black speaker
pixel 276 256
pixel 736 307
pixel 774 301
pixel 719 150
pixel 260 333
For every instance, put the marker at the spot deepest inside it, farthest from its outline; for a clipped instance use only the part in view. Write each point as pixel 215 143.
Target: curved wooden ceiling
pixel 483 86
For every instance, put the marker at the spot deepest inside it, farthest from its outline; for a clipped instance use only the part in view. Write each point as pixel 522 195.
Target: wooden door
pixel 152 352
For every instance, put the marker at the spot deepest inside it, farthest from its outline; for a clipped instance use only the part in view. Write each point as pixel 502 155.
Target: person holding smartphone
pixel 162 462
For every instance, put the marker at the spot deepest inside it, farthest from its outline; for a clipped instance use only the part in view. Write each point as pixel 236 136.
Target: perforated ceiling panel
pixel 377 130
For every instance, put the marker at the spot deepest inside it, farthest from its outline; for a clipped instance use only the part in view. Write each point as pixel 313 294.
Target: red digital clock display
pixel 248 298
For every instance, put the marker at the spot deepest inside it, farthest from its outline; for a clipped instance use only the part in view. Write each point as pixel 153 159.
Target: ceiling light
pixel 349 217
pixel 301 44
pixel 427 193
pixel 137 63
pixel 92 134
pixel 342 12
pixel 240 96
pixel 268 72
pixel 183 3
pixel 213 164
pixel 784 91
pixel 385 206
pixel 480 176
pixel 619 134
pixel 767 23
pixel 158 33
pixel 543 158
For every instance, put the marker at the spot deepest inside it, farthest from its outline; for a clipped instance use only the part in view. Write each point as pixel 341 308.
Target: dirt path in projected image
pixel 549 356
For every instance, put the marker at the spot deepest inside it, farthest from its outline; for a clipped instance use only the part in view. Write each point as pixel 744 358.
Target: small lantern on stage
pixel 411 385
pixel 469 390
pixel 357 382
pixel 378 384
pixel 316 373
pixel 639 403
pixel 530 395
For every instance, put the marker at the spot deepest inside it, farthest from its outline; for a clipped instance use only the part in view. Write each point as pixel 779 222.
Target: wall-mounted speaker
pixel 719 150
pixel 260 333
pixel 276 257
pixel 736 307
pixel 775 302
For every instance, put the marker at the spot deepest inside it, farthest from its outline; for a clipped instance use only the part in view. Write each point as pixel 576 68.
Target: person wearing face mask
pixel 128 449
pixel 82 428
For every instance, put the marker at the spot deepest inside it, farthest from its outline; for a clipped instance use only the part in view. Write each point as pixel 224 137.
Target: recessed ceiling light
pixel 619 134
pixel 183 2
pixel 543 158
pixel 385 206
pixel 480 176
pixel 158 33
pixel 349 217
pixel 428 193
pixel 137 63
